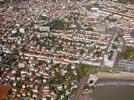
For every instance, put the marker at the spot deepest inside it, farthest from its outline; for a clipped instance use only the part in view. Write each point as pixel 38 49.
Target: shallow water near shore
pixel 114 92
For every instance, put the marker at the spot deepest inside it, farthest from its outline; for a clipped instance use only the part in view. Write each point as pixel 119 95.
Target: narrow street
pixel 79 95
pixel 123 46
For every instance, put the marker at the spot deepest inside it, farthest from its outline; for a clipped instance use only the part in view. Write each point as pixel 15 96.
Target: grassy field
pixel 128 54
pixel 86 70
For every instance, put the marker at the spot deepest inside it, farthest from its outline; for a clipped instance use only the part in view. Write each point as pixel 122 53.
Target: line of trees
pixel 126 1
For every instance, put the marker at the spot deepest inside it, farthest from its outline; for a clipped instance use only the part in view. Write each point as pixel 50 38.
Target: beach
pixel 115 76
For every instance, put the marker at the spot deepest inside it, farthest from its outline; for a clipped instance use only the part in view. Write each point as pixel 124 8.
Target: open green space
pixel 86 70
pixel 128 54
pixel 57 24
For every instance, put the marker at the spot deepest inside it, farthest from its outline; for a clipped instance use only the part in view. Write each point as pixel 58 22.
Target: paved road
pixel 79 93
pixel 114 82
pixel 123 46
pixel 118 13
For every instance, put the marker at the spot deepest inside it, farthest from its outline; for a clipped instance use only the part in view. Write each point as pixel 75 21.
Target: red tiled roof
pixel 4 92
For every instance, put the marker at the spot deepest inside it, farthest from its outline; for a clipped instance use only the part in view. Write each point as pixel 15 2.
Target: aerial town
pixel 49 49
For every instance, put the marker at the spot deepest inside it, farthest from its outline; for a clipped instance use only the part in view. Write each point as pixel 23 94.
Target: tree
pixel 131 1
pixel 82 51
pixel 10 92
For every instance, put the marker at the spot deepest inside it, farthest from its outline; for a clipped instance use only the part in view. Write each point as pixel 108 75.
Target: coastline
pixel 116 84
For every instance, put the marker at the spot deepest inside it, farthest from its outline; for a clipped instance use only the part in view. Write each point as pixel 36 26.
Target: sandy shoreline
pixel 115 76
